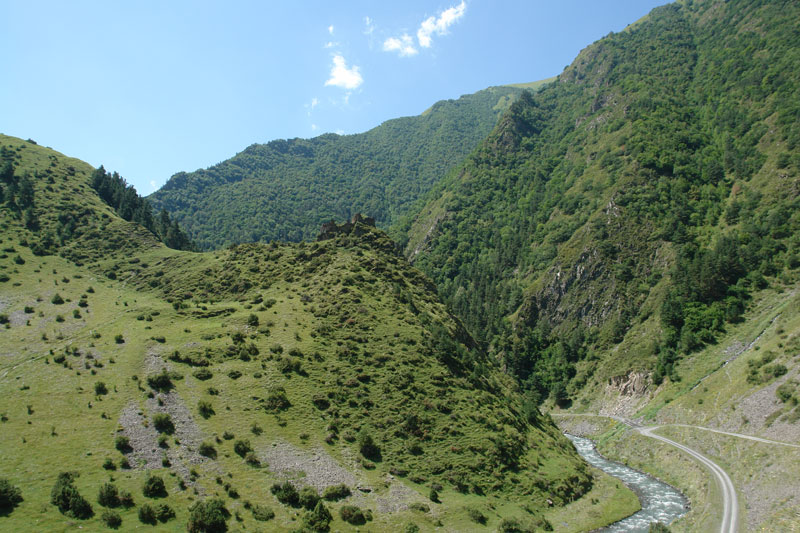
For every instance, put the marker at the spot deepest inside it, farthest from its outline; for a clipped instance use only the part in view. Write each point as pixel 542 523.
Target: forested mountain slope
pixel 284 190
pixel 144 384
pixel 623 216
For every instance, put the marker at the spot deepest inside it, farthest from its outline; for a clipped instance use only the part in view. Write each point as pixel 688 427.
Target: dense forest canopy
pixel 662 165
pixel 284 190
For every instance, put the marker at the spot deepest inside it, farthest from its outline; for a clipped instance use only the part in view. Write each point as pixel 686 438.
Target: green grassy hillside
pixel 624 216
pixel 284 190
pixel 225 374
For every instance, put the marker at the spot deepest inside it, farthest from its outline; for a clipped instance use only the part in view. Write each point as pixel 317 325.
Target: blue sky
pixel 151 88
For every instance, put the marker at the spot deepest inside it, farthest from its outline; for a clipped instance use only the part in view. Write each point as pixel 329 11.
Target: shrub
pixel 119 339
pixel 111 518
pixel 476 515
pixel 163 423
pixel 164 513
pixel 123 444
pixel 421 507
pixel 10 496
pixel 286 493
pixel 252 320
pixel 319 519
pixel 242 447
pixel 208 516
pixel 161 381
pixel 108 464
pixel 147 515
pixel 308 497
pixel 108 496
pixel 154 487
pixel 367 446
pixel 434 496
pixel 57 299
pixel 657 527
pixel 100 388
pixel 352 515
pixel 411 527
pixel 207 449
pixel 66 497
pixel 163 441
pixel 252 460
pixel 515 525
pixel 203 374
pixel 205 409
pixel 276 400
pixel 126 499
pixel 262 513
pixel 336 492
pixel 234 374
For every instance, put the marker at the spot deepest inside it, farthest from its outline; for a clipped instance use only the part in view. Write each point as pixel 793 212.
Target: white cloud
pixel 404 45
pixel 313 127
pixel 438 26
pixel 330 44
pixel 369 26
pixel 314 102
pixel 339 132
pixel 330 29
pixel 341 76
pixel 153 183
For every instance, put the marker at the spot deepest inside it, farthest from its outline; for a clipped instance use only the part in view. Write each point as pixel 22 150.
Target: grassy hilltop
pixel 228 373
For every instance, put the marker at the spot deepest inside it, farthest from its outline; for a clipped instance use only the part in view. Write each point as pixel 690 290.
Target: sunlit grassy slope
pixel 282 362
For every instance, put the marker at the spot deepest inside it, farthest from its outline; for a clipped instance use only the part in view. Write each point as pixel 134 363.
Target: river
pixel 660 502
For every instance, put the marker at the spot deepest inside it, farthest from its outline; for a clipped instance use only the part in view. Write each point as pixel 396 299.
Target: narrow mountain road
pixel 730 503
pixel 739 435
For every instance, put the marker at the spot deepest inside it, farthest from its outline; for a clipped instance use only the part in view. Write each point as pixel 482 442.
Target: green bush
pixel 367 446
pixel 336 492
pixel 154 487
pixel 57 299
pixel 203 374
pixel 286 493
pixel 352 515
pixel 207 449
pixel 108 464
pixel 161 381
pixel 119 339
pixel 147 515
pixel 476 515
pixel 126 499
pixel 208 516
pixel 10 496
pixel 262 513
pixel 111 518
pixel 252 320
pixel 123 444
pixel 164 513
pixel 163 423
pixel 242 447
pixel 66 497
pixel 100 388
pixel 108 495
pixel 205 408
pixel 308 497
pixel 276 400
pixel 319 519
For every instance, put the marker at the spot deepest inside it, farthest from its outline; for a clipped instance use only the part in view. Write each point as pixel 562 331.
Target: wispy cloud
pixel 438 25
pixel 403 45
pixel 153 184
pixel 313 127
pixel 343 77
pixel 330 29
pixel 369 26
